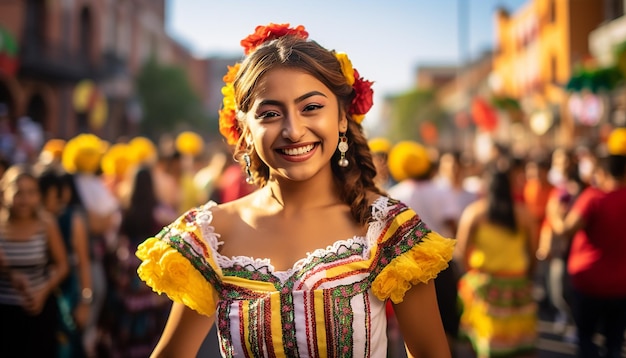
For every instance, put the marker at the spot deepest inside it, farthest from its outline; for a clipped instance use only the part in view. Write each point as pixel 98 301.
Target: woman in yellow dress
pixel 302 266
pixel 496 244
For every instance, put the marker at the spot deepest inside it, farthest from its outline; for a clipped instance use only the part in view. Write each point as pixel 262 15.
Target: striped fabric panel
pixel 29 257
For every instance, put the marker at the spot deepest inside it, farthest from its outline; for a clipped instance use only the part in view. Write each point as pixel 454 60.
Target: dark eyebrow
pixel 272 102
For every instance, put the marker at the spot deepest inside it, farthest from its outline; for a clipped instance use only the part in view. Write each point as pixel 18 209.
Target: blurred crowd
pixel 537 233
pixel 74 212
pixel 542 228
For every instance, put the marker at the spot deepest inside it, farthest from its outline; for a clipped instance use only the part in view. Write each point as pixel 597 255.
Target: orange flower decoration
pixel 270 32
pixel 228 122
pixel 229 127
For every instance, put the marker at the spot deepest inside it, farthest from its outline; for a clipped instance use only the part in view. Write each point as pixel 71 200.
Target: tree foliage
pixel 409 110
pixel 168 100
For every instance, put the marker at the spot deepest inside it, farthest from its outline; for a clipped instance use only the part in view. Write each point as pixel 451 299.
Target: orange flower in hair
pixel 229 127
pixel 270 32
pixel 228 122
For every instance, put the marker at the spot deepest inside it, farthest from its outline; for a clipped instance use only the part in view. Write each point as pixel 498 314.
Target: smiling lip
pixel 299 153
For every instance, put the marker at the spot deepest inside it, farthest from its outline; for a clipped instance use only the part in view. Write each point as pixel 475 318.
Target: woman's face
pixel 294 124
pixel 51 200
pixel 22 197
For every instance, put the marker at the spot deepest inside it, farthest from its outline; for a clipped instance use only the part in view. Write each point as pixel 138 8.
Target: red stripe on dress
pixel 330 324
pixel 338 277
pixel 328 266
pixel 242 335
pixel 267 326
pixel 310 324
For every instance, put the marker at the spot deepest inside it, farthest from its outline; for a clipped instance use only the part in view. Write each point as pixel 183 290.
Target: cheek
pixel 262 138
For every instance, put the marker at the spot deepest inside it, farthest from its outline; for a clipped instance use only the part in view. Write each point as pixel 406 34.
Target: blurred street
pixel 130 115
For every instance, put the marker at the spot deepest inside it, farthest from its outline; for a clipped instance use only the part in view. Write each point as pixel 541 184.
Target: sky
pixel 386 40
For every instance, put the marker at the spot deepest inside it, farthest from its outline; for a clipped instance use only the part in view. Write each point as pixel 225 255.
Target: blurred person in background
pixel 135 313
pixel 449 178
pixel 82 156
pixel 411 166
pixel 596 262
pixel 537 190
pixel 380 148
pixel 75 295
pixel 554 249
pixel 210 168
pixel 29 141
pixel 190 145
pixel 7 136
pixel 537 187
pixel 33 263
pixel 496 245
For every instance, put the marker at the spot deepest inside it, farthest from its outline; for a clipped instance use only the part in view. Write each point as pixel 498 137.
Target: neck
pixel 297 196
pixel 612 184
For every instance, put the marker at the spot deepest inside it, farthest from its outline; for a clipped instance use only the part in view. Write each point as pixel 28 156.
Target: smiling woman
pixel 304 265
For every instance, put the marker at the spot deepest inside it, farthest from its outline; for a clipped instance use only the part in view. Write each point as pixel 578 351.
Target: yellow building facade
pixel 537 49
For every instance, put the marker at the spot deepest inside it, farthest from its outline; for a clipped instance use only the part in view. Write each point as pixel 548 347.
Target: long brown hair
pixel 354 181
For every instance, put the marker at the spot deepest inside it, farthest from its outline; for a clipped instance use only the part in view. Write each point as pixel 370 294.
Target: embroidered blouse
pixel 329 304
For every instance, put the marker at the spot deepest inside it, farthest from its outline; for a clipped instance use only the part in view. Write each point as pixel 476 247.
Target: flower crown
pixel 228 125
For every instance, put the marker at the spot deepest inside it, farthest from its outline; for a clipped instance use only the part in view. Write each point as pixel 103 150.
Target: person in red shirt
pixel 596 263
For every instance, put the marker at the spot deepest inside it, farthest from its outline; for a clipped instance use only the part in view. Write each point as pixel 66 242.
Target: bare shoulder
pixel 48 221
pixel 227 216
pixel 476 209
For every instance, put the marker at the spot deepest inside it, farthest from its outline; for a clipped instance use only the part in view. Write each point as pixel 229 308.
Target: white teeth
pixel 299 150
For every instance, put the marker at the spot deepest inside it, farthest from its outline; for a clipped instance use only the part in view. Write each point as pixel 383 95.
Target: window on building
pixel 37 109
pixel 553 70
pixel 552 11
pixel 36 23
pixel 85 34
pixel 613 9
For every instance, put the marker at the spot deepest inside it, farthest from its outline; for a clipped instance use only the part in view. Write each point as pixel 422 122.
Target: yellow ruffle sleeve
pixel 167 271
pixel 421 263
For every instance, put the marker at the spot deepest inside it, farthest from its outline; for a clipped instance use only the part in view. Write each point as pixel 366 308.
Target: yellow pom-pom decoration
pixel 379 145
pixel 408 159
pixel 83 154
pixel 117 161
pixel 189 143
pixel 616 143
pixel 144 149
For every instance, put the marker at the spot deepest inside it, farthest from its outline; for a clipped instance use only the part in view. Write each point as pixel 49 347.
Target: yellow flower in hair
pixel 189 143
pixel 83 153
pixel 346 67
pixel 616 144
pixel 408 159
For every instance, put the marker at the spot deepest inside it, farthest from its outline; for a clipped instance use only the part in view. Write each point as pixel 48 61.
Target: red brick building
pixel 62 43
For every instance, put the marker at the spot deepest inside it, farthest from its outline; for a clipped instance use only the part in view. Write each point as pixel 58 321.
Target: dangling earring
pixel 343 148
pixel 246 159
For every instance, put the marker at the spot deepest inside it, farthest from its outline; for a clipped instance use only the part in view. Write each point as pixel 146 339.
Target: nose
pixel 293 128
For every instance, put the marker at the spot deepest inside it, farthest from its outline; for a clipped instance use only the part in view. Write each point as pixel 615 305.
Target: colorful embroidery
pixel 323 306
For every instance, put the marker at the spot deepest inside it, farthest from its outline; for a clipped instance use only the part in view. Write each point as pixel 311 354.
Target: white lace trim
pixel 204 217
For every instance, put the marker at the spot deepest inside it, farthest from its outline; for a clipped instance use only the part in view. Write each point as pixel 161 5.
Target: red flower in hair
pixel 270 32
pixel 363 99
